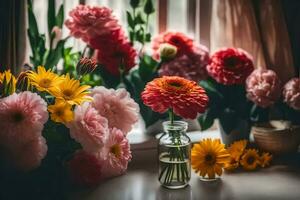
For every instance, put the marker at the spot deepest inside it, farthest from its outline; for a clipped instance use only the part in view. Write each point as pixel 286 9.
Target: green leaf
pixel 149 8
pixel 207 119
pixel 32 41
pixel 51 16
pixel 211 88
pixel 147 68
pixel 138 19
pixel 55 55
pixel 131 36
pixel 33 27
pixel 130 20
pixel 134 3
pixel 148 37
pixel 109 80
pixel 60 17
pixel 140 35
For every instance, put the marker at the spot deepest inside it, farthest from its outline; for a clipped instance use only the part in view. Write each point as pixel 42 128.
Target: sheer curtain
pixel 258 27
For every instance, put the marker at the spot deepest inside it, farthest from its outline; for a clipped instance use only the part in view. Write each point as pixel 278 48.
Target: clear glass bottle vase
pixel 174 155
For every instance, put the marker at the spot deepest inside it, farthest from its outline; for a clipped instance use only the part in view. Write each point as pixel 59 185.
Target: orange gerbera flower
pixel 185 97
pixel 237 149
pixel 250 160
pixel 265 159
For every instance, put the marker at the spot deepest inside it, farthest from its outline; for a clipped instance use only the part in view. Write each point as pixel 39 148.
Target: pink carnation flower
pixel 116 154
pixel 28 156
pixel 116 106
pixel 191 66
pixel 291 93
pixel 263 87
pixel 22 117
pixel 88 22
pixel 88 128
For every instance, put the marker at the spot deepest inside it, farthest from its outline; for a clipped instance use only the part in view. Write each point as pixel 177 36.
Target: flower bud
pixel 57 35
pixel 167 51
pixel 8 83
pixel 23 82
pixel 85 66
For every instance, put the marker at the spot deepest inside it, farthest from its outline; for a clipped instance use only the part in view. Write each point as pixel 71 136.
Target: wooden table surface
pixel 278 182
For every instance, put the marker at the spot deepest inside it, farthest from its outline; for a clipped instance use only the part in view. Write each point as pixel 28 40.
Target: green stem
pixel 121 69
pixel 171 116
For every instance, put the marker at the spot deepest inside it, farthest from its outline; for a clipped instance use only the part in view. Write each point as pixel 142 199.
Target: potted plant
pixel 275 112
pixel 228 70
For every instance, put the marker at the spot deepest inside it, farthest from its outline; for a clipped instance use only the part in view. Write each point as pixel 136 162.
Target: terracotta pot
pixel 277 137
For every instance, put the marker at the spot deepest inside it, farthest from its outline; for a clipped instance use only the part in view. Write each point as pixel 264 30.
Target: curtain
pixel 12 35
pixel 256 26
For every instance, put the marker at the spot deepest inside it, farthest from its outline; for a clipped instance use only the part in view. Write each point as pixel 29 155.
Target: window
pixel 180 15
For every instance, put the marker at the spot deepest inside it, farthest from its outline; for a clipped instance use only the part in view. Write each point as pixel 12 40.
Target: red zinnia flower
pixel 183 43
pixel 185 97
pixel 85 169
pixel 230 66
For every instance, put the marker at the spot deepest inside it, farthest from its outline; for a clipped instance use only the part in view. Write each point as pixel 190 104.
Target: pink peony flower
pixel 191 66
pixel 116 154
pixel 116 106
pixel 28 156
pixel 291 93
pixel 22 117
pixel 88 128
pixel 85 169
pixel 230 66
pixel 88 22
pixel 263 87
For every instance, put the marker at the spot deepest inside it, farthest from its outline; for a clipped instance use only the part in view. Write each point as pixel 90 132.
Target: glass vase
pixel 174 155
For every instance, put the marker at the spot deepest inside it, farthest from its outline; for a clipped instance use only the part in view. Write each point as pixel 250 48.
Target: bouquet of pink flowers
pixel 50 120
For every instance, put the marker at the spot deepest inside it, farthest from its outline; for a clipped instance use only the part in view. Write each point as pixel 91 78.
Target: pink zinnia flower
pixel 116 154
pixel 263 87
pixel 116 106
pixel 88 22
pixel 85 169
pixel 28 156
pixel 191 66
pixel 291 93
pixel 88 128
pixel 22 117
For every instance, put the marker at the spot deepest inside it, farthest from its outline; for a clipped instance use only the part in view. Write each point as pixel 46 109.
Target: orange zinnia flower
pixel 185 97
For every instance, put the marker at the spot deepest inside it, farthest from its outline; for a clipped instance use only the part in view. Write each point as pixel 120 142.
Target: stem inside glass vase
pixel 174 157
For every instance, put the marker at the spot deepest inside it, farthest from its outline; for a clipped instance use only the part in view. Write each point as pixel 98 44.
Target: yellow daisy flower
pixel 9 81
pixel 209 158
pixel 250 159
pixel 72 92
pixel 237 149
pixel 265 159
pixel 61 112
pixel 44 80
